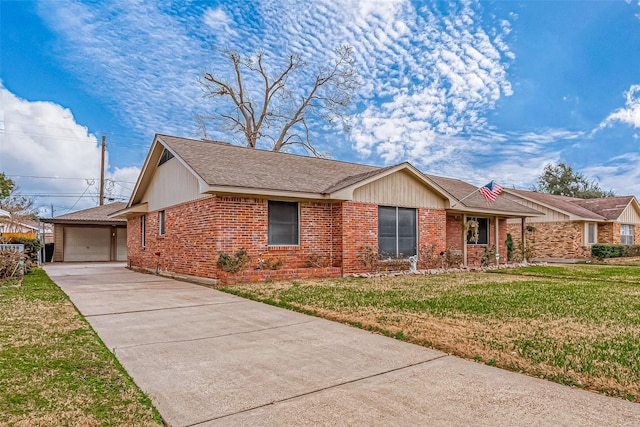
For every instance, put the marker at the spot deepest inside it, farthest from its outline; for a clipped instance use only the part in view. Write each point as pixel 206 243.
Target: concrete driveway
pixel 207 358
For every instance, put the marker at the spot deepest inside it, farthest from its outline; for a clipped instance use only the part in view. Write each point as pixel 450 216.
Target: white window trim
pixel 299 230
pixel 417 230
pixel 143 231
pixel 162 217
pixel 586 233
pixel 632 234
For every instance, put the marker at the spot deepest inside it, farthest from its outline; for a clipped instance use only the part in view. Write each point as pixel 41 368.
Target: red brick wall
pixel 332 234
pixel 454 232
pixel 197 232
pixel 359 231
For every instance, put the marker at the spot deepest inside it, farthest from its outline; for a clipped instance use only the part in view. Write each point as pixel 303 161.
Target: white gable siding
pixel 399 189
pixel 629 216
pixel 550 215
pixel 171 185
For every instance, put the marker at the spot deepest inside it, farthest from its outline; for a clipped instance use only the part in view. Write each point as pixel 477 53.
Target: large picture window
pixel 283 224
pixel 397 232
pixel 483 232
pixel 626 234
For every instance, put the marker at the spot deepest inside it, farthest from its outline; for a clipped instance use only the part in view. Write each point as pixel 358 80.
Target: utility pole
pixel 104 148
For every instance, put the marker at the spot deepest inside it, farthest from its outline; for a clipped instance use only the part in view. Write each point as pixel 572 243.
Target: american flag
pixel 491 191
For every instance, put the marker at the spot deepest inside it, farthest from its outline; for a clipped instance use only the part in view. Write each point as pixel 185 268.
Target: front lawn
pixel 54 368
pixel 559 324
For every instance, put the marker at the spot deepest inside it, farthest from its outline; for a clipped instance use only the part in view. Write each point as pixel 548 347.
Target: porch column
pixel 522 236
pixel 464 241
pixel 497 242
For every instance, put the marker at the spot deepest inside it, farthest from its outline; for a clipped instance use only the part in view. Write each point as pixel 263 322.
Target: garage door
pixel 121 248
pixel 87 243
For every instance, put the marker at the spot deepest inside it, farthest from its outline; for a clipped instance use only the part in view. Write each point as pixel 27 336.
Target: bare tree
pixel 264 105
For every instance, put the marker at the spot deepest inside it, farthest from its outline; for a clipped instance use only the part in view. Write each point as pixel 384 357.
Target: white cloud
pixel 52 157
pixel 629 115
pixel 218 20
pixel 620 174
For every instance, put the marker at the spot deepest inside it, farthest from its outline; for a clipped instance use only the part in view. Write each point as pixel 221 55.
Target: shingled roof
pixel 249 168
pixel 600 209
pixel 609 207
pixel 97 215
pixel 227 168
pixel 470 199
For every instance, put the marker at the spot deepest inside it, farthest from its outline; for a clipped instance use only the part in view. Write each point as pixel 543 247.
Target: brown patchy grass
pixel 569 330
pixel 55 370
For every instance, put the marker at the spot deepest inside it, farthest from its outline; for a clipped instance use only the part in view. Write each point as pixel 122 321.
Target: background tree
pixel 21 208
pixel 278 106
pixel 6 186
pixel 562 180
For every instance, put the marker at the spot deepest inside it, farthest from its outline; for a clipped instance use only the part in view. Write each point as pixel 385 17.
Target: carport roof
pixel 98 215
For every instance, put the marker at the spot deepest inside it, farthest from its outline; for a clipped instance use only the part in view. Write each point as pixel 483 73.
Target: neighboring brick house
pixel 197 199
pixel 569 225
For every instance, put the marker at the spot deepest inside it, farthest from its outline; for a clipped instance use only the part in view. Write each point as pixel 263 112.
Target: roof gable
pixel 599 209
pixel 223 168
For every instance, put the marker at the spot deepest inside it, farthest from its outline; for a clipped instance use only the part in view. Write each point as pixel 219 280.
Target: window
pixel 161 222
pixel 283 224
pixel 483 232
pixel 143 231
pixel 591 233
pixel 397 232
pixel 626 234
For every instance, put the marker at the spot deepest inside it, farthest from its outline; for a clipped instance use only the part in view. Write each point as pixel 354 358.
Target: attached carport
pixel 90 235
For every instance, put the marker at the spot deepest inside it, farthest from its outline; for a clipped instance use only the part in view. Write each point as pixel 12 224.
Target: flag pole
pixel 465 197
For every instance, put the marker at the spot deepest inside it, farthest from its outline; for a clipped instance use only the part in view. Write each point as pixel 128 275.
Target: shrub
pixel 633 250
pixel 509 243
pixel 489 256
pixel 233 263
pixel 607 251
pixel 10 264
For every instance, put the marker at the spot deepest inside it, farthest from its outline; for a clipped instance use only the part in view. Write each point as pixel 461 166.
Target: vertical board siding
pixel 550 215
pixel 629 216
pixel 399 189
pixel 171 185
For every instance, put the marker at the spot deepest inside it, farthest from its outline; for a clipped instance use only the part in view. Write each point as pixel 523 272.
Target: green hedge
pixel 614 251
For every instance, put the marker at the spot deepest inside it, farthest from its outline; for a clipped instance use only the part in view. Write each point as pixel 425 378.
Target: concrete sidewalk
pixel 207 358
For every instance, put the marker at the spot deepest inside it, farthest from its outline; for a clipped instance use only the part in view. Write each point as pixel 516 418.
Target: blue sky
pixel 477 91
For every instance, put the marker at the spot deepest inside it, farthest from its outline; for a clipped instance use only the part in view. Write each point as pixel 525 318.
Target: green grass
pixel 55 370
pixel 577 325
pixel 591 272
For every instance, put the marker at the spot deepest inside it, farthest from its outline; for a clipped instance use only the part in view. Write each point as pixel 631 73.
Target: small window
pixel 483 232
pixel 591 233
pixel 283 224
pixel 143 230
pixel 166 156
pixel 397 232
pixel 626 234
pixel 161 222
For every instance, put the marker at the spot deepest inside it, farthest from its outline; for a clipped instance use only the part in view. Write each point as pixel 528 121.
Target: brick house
pixel 569 225
pixel 196 199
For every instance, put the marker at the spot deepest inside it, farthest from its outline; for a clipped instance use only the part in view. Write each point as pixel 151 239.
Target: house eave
pixel 263 193
pixel 129 211
pixel 491 212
